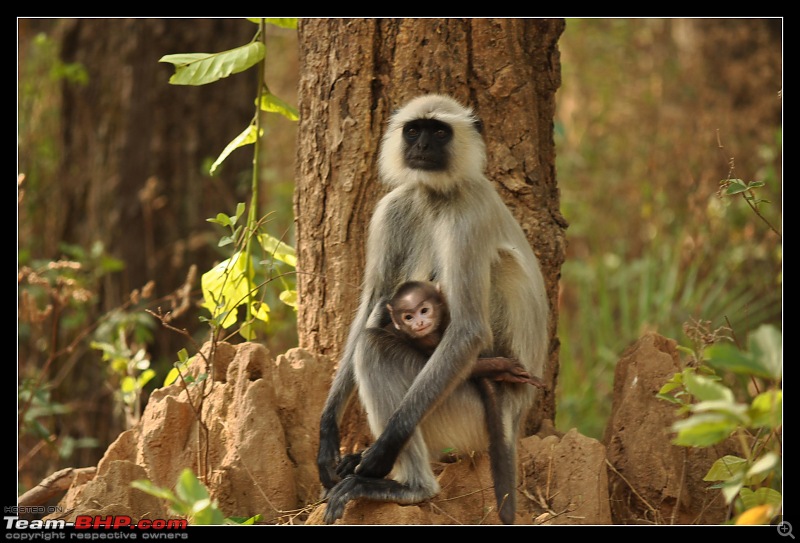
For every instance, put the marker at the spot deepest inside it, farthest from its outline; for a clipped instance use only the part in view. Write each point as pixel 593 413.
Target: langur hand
pixel 327 462
pixel 348 463
pixel 376 462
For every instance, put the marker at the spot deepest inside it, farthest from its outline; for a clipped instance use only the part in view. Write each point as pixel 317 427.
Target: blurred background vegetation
pixel 652 115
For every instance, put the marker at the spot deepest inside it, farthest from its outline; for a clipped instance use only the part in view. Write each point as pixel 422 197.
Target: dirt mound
pixel 258 440
pixel 653 481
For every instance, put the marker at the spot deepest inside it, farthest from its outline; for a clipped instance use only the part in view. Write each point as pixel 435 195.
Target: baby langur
pixel 420 315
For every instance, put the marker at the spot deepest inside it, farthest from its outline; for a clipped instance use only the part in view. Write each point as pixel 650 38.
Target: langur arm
pixel 329 440
pixel 502 369
pixel 342 390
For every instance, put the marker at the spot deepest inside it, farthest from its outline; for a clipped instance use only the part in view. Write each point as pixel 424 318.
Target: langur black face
pixel 426 144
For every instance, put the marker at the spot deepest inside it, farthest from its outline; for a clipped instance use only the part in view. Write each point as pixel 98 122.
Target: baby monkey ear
pixel 391 314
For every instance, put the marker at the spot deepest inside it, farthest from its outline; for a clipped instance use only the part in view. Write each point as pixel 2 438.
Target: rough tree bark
pixel 135 146
pixel 131 174
pixel 353 74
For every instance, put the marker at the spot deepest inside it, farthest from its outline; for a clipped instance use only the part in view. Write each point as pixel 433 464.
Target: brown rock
pixel 300 382
pixel 653 481
pixel 565 479
pixel 111 493
pixel 226 426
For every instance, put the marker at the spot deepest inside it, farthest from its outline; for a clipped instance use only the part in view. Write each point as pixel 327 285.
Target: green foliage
pixel 41 405
pixel 180 367
pixel 715 413
pixel 232 283
pixel 283 22
pixel 59 294
pixel 272 104
pixel 204 68
pixel 656 292
pixel 248 136
pixel 127 359
pixel 190 500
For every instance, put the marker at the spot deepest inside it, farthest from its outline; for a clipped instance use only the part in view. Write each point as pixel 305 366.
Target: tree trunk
pixel 353 74
pixel 132 177
pixel 129 126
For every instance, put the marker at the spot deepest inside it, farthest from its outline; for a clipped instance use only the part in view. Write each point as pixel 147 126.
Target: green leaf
pixel 289 297
pixel 225 287
pixel 222 219
pixel 148 487
pixel 735 186
pixel 128 384
pixel 240 208
pixel 685 350
pixel 755 184
pixel 762 496
pixel 283 22
pixel 200 505
pixel 208 515
pixel 171 376
pixel 703 430
pixel 203 68
pixel 179 366
pixel 736 412
pixel 278 249
pixel 725 356
pixel 731 490
pixel 765 344
pixel 109 264
pixel 260 311
pixel 725 468
pixel 671 399
pixel 763 465
pixel 273 104
pixel 243 520
pixel 675 382
pixel 140 360
pixel 189 488
pixel 703 388
pixel 145 378
pixel 248 136
pixel 766 409
pixel 247 331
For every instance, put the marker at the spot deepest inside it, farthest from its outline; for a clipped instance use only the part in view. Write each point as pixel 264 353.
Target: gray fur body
pixel 450 227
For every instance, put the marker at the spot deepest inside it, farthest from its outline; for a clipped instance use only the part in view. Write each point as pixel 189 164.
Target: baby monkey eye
pixel 424 311
pixel 408 317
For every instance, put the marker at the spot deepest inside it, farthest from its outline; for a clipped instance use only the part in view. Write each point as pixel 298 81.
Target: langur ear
pixel 391 314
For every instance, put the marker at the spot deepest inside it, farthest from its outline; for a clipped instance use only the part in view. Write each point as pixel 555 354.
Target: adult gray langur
pixel 444 222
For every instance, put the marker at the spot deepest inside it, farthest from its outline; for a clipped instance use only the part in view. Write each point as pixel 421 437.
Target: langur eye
pixel 440 134
pixel 412 133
